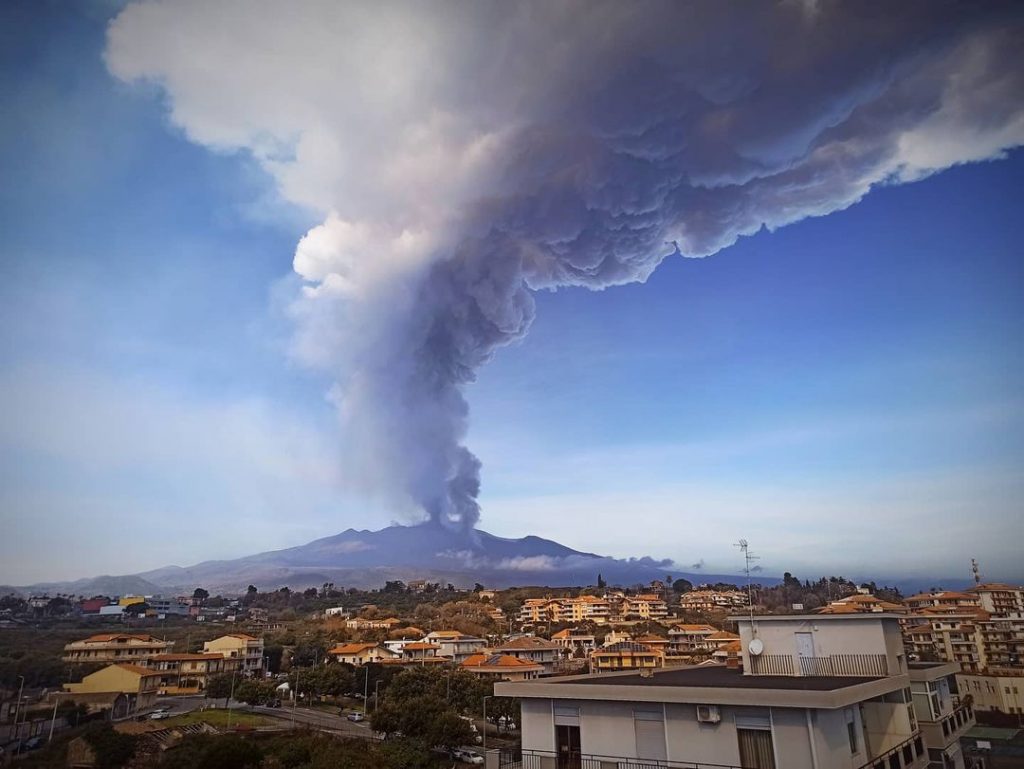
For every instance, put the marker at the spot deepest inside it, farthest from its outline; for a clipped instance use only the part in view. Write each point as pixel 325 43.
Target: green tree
pixel 682 586
pixel 199 595
pixel 112 749
pixel 219 686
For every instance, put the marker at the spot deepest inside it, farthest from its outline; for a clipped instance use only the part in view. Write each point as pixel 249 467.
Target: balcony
pixel 910 754
pixel 948 729
pixel 542 759
pixel 860 665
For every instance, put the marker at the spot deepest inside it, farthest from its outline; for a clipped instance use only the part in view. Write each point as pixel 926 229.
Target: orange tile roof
pixel 138 669
pixel 692 628
pixel 722 635
pixel 421 646
pixel 105 637
pixel 497 661
pixel 352 648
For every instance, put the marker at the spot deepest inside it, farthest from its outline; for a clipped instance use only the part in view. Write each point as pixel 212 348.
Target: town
pixel 818 674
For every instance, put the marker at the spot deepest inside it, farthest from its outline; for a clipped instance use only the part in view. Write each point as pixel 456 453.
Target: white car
pixel 159 714
pixel 467 756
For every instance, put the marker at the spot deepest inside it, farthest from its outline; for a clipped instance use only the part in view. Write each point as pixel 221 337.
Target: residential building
pixel 862 602
pixel 135 648
pixel 999 599
pixel 337 611
pixel 501 667
pixel 585 608
pixel 532 649
pixel 139 684
pixel 626 655
pixel 539 610
pixel 455 645
pixel 704 601
pixel 994 693
pixel 362 653
pixel 190 673
pixel 576 642
pixel 833 692
pixel 687 640
pixel 943 601
pixel 644 607
pixel 242 646
pixel 943 715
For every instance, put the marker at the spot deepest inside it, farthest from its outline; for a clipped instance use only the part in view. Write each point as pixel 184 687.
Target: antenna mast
pixel 747 558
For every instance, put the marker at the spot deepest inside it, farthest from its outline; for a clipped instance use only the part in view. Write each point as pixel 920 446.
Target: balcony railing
pixel 772 665
pixel 909 754
pixel 861 665
pixel 543 759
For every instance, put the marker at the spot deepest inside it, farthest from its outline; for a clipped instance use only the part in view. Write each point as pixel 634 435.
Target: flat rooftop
pixel 719 676
pixel 708 685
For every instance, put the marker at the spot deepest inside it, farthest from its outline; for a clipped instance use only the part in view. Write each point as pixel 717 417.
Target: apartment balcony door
pixel 567 739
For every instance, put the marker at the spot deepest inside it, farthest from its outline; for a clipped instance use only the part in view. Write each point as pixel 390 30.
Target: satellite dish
pixel 756 646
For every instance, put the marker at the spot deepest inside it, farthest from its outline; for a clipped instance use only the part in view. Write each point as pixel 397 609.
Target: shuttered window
pixel 649 727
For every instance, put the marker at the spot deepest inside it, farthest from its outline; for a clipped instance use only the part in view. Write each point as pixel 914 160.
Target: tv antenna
pixel 748 557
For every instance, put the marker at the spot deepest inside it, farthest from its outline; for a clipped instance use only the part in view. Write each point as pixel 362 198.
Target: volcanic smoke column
pixel 464 155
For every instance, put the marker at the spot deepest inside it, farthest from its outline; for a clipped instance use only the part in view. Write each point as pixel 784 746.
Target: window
pixel 756 749
pixel 851 730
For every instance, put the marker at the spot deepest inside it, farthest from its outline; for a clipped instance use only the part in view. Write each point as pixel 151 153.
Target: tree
pixel 682 586
pixel 395 586
pixel 219 686
pixel 199 595
pixel 600 582
pixel 255 692
pixel 477 587
pixel 112 749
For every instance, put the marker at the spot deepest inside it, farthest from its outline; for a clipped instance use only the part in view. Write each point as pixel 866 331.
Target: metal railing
pixel 907 755
pixel 543 759
pixel 772 665
pixel 862 665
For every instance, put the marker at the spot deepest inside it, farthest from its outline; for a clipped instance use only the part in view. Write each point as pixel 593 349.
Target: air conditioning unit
pixel 708 714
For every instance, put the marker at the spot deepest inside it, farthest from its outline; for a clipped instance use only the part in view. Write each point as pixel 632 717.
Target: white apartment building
pixel 814 692
pixel 458 646
pixel 943 714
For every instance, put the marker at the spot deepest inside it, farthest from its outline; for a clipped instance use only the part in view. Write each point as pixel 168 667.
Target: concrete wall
pixel 607 728
pixel 849 635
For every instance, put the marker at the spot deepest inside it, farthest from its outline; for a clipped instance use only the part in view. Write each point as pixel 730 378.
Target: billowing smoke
pixel 464 155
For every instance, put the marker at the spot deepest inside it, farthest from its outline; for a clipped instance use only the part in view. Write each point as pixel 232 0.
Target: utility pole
pixel 486 697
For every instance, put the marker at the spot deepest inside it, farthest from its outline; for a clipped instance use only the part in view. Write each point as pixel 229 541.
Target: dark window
pixel 756 749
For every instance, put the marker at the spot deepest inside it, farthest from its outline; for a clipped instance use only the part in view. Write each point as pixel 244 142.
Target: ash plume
pixel 462 156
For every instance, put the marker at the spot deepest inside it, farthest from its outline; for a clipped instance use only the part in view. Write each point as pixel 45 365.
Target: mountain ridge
pixel 367 558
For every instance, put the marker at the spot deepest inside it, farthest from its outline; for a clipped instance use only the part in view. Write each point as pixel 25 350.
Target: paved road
pixel 318 719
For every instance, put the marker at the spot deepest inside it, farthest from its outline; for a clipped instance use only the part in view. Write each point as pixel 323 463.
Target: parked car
pixel 467 756
pixel 33 743
pixel 159 715
pixel 356 717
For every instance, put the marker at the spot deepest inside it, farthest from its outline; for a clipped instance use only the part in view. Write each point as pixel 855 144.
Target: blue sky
pixel 844 392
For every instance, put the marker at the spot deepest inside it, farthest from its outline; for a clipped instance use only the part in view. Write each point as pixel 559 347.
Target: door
pixel 567 739
pixel 805 653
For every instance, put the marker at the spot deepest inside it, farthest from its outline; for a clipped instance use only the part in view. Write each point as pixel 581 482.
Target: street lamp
pixel 486 697
pixel 376 686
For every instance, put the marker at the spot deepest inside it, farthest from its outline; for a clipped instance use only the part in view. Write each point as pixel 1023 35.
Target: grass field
pixel 218 718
